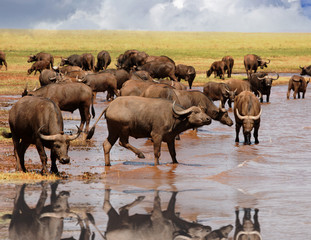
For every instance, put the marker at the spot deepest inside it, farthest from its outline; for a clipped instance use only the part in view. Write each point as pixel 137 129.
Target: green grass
pixel 286 50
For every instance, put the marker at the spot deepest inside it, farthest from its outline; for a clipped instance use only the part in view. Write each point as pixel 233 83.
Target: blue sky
pixel 159 15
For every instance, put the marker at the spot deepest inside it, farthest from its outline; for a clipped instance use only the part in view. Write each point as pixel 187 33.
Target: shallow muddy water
pixel 214 175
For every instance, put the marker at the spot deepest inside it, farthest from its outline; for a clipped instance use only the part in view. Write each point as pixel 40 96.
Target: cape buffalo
pixel 140 117
pixel 261 83
pixel 156 225
pixel 43 221
pixel 69 97
pixel 219 91
pixel 229 62
pixel 48 76
pixel 298 84
pixel 252 62
pixel 249 229
pixel 40 57
pixel 247 111
pixel 185 72
pixel 103 60
pixel 101 82
pixel 88 62
pixel 162 59
pixel 131 59
pixel 72 60
pixel 3 61
pixel 42 125
pixel 39 66
pixel 306 70
pixel 158 69
pixel 218 68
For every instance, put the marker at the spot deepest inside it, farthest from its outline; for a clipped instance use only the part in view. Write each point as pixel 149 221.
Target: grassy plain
pixel 286 50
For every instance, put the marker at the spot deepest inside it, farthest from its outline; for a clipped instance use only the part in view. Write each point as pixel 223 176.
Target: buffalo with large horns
pixel 37 120
pixel 247 112
pixel 139 117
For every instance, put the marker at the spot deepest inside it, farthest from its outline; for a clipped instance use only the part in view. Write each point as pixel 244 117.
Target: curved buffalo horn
pixel 259 94
pixel 249 233
pixel 58 136
pixel 156 81
pixel 256 117
pixel 262 78
pixel 52 78
pixel 268 62
pixel 240 116
pixel 276 77
pixel 182 112
pixel 300 67
pixel 235 91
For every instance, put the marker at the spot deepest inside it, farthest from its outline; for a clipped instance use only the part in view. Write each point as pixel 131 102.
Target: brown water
pixel 214 175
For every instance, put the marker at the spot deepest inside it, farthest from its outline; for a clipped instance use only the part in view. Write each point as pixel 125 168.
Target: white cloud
pixel 189 15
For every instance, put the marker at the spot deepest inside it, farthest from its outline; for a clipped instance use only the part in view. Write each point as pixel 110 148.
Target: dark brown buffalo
pixel 229 62
pixel 141 117
pixel 134 87
pixel 38 66
pixel 156 225
pixel 131 59
pixel 247 111
pixel 69 97
pixel 306 70
pixel 103 60
pixel 101 82
pixel 248 229
pixel 3 61
pixel 42 125
pixel 158 69
pixel 199 99
pixel 72 60
pixel 40 57
pixel 219 91
pixel 299 85
pixel 185 72
pixel 88 62
pixel 43 221
pixel 48 76
pixel 261 84
pixel 252 62
pixel 238 86
pixel 218 68
pixel 140 75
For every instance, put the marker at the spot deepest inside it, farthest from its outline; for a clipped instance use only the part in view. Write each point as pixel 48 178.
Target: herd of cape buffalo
pixel 147 101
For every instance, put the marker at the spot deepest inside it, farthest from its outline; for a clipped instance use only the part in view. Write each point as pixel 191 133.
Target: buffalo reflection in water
pixel 43 221
pixel 157 225
pixel 248 229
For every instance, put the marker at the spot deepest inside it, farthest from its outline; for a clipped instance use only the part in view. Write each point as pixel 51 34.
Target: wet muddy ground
pixel 214 175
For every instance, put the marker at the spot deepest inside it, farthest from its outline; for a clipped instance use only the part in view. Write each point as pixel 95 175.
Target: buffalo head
pixel 63 61
pixel 306 70
pixel 196 115
pixel 248 124
pixel 267 81
pixel 60 144
pixel 262 63
pixel 32 58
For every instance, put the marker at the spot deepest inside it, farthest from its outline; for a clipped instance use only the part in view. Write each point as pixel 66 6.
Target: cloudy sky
pixel 163 15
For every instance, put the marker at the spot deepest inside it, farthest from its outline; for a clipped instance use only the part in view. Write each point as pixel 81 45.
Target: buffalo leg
pixel 256 128
pixel 124 142
pixel 107 145
pixel 42 155
pixel 171 148
pixel 17 154
pixel 54 168
pixel 298 94
pixel 22 150
pixel 157 140
pixel 256 223
pixel 303 94
pixel 288 93
pixel 237 131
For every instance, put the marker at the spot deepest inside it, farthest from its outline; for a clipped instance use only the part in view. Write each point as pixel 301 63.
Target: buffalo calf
pixel 39 66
